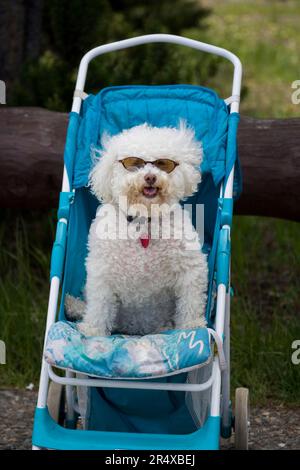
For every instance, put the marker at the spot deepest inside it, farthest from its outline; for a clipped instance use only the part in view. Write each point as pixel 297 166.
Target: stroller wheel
pixel 242 418
pixel 56 402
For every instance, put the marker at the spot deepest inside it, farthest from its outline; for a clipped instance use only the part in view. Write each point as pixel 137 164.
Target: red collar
pixel 145 238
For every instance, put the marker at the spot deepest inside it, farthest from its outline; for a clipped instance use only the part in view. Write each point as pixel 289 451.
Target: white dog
pixel 145 269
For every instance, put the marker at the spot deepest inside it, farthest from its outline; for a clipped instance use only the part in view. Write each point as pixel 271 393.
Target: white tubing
pixel 229 185
pixel 216 391
pixel 219 343
pixel 51 315
pixel 171 39
pixel 65 182
pixel 226 415
pixel 221 305
pixel 158 38
pixel 219 327
pixel 140 385
pixel 70 398
pixel 52 304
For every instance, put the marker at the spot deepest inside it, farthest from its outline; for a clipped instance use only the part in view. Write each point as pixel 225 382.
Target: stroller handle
pixel 158 38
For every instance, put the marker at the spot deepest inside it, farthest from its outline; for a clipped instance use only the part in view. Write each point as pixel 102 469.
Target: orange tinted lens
pixel 132 163
pixel 165 164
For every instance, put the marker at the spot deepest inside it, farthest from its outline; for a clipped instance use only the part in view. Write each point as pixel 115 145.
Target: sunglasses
pixel 135 163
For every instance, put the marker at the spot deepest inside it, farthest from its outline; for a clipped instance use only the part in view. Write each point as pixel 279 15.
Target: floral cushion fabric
pixel 127 357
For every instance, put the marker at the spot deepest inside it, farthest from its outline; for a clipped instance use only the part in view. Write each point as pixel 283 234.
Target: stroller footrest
pixel 48 434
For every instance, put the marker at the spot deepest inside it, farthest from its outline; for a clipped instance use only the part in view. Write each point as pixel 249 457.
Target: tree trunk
pixel 31 162
pixel 20 36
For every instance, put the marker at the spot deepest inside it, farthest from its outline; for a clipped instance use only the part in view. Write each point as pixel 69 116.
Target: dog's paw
pixel 88 330
pixel 75 307
pixel 199 323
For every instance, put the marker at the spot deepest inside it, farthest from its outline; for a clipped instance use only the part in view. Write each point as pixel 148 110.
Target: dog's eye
pixel 164 164
pixel 132 163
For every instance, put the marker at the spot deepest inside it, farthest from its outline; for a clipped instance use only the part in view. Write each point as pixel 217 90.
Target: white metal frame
pixel 222 297
pixel 138 384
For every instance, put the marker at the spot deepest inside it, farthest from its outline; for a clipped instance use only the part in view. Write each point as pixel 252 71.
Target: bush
pixel 72 28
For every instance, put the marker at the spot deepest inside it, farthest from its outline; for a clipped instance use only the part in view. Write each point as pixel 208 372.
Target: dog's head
pixel 148 165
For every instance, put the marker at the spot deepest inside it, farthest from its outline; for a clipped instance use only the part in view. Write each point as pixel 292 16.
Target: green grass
pixel 24 273
pixel 265 308
pixel 266 252
pixel 265 35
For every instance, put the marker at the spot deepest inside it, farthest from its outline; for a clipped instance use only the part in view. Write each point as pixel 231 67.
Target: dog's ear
pixel 101 176
pixel 191 157
pixel 192 178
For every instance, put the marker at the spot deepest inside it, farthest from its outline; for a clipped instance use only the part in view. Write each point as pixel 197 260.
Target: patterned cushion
pixel 127 357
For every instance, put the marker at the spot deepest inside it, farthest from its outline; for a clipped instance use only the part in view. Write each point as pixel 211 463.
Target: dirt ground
pixel 274 427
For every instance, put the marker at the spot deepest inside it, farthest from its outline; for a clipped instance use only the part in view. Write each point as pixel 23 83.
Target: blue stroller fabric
pixel 117 108
pixel 127 357
pixel 113 110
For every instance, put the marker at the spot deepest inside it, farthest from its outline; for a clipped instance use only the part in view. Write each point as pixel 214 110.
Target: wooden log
pixel 269 151
pixel 31 157
pixel 31 161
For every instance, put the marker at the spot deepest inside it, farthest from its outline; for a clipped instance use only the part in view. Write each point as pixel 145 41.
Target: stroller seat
pixel 127 357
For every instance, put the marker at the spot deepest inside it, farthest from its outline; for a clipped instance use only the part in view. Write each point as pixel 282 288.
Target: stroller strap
pixel 219 343
pixel 231 99
pixel 80 94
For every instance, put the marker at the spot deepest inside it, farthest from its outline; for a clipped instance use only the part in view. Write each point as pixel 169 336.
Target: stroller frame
pixel 47 433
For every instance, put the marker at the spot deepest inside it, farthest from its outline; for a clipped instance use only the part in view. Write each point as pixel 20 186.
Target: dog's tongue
pixel 149 191
pixel 145 240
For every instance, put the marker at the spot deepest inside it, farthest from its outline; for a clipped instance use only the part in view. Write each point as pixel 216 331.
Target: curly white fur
pixel 136 290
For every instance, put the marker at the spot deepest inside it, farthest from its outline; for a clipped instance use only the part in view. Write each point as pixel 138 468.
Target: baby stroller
pixel 105 399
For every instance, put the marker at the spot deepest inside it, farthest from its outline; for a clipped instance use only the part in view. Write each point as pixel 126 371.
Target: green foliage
pixel 24 272
pixel 265 36
pixel 265 308
pixel 72 28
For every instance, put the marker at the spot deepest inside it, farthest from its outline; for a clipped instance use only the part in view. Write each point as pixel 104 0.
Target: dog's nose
pixel 150 179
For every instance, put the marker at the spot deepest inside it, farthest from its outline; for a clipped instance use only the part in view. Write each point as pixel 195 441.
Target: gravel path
pixel 271 427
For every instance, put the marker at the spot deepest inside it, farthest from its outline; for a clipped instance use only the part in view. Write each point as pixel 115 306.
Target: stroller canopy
pixel 117 108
